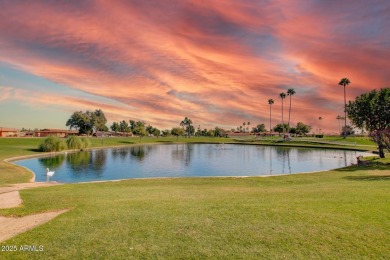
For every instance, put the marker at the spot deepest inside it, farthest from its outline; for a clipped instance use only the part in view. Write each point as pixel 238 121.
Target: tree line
pixel 370 111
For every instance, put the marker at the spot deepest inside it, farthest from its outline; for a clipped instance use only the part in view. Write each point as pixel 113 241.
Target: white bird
pixel 49 173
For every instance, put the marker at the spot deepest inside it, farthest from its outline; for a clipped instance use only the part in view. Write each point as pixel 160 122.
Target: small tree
pixel 177 131
pixel 115 127
pixel 302 129
pixel 260 128
pixel 156 132
pixel 219 132
pixel 372 112
pixel 166 132
pixel 280 128
pixel 189 128
pixel 140 130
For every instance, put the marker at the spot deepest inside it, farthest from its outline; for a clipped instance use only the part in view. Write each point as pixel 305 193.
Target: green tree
pixel 187 124
pixel 282 96
pixel 219 132
pixel 302 129
pixel 124 127
pixel 98 120
pixel 149 129
pixel 281 128
pixel 293 130
pixel 290 92
pixel 371 111
pixel 88 122
pixel 345 82
pixel 270 102
pixel 177 131
pixel 80 121
pixel 156 132
pixel 139 129
pixel 115 127
pixel 166 132
pixel 132 125
pixel 260 128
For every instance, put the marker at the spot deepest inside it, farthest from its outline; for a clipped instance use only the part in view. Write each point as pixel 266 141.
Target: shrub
pixel 74 142
pixel 52 144
pixel 319 136
pixel 86 142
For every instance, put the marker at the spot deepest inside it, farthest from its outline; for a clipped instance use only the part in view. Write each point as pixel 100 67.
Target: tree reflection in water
pixel 182 153
pixel 52 162
pixel 87 162
pixel 140 152
pixel 121 153
pixel 283 155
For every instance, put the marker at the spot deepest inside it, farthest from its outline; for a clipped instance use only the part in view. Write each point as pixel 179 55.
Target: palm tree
pixel 244 124
pixel 338 119
pixel 319 129
pixel 345 82
pixel 290 92
pixel 270 102
pixel 248 125
pixel 282 96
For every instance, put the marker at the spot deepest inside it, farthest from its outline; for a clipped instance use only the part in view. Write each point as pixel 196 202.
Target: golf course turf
pixel 342 213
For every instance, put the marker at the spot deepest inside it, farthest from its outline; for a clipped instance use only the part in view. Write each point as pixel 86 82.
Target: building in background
pixel 8 132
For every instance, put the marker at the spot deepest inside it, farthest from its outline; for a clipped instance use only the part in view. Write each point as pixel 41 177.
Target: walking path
pixel 10 198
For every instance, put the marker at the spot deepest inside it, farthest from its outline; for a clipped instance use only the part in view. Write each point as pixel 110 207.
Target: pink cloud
pixel 216 62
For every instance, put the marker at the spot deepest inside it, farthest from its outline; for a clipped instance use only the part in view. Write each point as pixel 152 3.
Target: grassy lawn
pixel 335 214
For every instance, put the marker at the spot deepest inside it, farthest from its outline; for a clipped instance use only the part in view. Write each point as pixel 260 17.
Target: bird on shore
pixel 49 173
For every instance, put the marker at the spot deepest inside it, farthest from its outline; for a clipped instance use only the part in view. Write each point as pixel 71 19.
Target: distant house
pixel 55 132
pixel 8 132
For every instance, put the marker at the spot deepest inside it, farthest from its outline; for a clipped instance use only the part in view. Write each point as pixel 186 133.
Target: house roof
pixel 47 130
pixel 7 129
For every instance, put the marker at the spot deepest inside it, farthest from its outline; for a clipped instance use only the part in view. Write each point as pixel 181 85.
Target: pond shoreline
pixel 65 152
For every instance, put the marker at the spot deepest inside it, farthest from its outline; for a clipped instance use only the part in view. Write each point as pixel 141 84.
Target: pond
pixel 186 160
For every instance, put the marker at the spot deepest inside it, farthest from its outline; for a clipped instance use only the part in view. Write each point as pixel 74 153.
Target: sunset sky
pixel 215 61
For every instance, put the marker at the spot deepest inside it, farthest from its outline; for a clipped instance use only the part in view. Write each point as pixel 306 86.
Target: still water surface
pixel 186 160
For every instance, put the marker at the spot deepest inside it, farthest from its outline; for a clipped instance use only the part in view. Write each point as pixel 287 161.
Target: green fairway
pixel 335 214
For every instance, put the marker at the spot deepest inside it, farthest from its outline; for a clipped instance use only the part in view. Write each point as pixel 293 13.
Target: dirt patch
pixel 13 226
pixel 22 186
pixel 10 200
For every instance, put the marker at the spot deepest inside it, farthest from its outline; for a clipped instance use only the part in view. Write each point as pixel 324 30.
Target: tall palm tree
pixel 290 92
pixel 345 82
pixel 247 125
pixel 270 102
pixel 244 124
pixel 282 96
pixel 338 119
pixel 319 129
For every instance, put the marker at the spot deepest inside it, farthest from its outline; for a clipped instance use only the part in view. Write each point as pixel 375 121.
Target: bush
pixel 319 136
pixel 86 142
pixel 52 144
pixel 74 142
